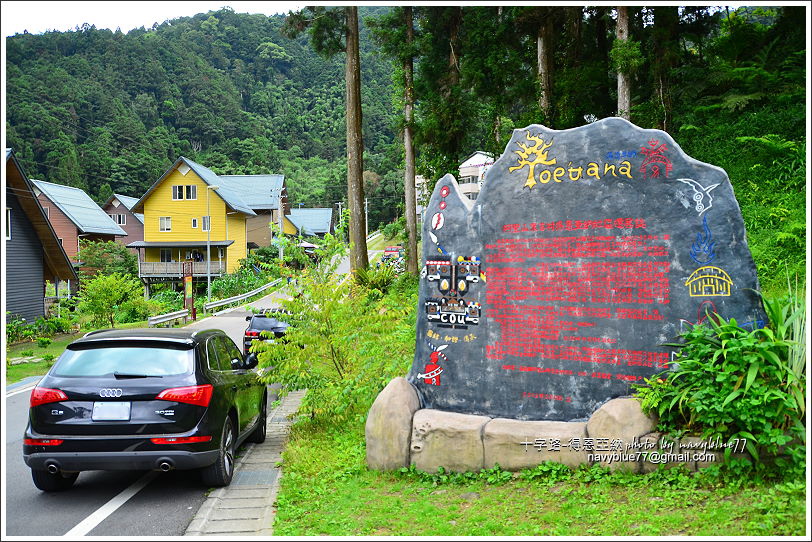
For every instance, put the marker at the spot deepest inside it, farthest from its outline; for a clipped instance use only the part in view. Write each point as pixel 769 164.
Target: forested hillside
pixel 110 111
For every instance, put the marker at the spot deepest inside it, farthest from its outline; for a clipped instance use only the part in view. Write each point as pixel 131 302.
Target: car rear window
pixel 125 360
pixel 265 322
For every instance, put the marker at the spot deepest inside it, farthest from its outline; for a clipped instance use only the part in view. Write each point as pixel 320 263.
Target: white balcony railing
pixel 147 269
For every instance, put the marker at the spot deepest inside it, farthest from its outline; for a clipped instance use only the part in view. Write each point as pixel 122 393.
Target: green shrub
pixel 103 296
pixel 379 278
pixel 48 357
pixel 344 345
pixel 43 342
pixel 729 382
pixel 168 301
pixel 15 328
pixel 26 353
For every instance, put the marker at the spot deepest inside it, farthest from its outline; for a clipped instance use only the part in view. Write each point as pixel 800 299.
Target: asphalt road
pixel 161 504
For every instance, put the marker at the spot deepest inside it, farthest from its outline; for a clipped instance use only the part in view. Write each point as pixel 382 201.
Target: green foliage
pixel 495 475
pixel 343 346
pixel 729 382
pixel 237 283
pixel 626 55
pixel 16 329
pixel 43 342
pixel 107 257
pixel 103 296
pixel 376 278
pixel 48 358
pixel 26 353
pixel 167 300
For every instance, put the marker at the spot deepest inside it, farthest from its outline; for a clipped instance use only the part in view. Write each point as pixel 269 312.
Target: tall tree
pixel 624 103
pixel 395 34
pixel 408 143
pixel 333 30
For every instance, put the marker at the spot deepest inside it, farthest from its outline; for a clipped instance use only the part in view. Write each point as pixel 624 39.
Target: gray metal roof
pixel 128 202
pixel 228 192
pixel 79 208
pixel 257 191
pixel 312 221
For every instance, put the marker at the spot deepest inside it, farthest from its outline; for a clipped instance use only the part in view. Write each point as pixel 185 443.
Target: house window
pixel 206 223
pixel 47 212
pixel 166 254
pixel 60 241
pixel 119 219
pixel 184 191
pixel 8 223
pixel 194 223
pixel 165 223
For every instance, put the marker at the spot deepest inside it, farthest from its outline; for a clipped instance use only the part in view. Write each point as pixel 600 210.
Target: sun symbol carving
pixel 532 156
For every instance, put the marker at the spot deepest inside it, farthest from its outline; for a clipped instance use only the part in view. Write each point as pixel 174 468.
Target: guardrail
pixel 164 318
pixel 220 303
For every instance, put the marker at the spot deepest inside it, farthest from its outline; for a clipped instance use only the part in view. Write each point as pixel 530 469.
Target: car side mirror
pixel 237 364
pixel 251 360
pixel 248 318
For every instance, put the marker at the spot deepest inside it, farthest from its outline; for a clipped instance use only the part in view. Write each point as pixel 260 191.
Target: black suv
pixel 269 321
pixel 138 399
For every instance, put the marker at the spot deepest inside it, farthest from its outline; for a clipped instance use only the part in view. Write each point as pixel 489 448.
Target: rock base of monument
pixel 617 435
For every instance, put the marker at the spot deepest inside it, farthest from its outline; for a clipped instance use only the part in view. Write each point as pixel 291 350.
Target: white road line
pixel 91 521
pixel 27 388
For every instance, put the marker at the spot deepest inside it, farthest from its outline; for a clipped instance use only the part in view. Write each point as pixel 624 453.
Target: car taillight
pixel 193 395
pixel 41 396
pixel 180 440
pixel 252 333
pixel 42 441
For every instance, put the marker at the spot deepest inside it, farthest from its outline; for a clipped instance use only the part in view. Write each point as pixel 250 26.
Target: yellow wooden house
pixel 193 214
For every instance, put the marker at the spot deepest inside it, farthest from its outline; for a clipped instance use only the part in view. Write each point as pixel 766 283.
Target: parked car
pixel 136 399
pixel 270 321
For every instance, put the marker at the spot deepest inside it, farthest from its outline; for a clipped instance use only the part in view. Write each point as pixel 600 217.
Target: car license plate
pixel 104 411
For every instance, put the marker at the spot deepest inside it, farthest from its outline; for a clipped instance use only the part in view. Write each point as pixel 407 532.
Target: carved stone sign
pixel 586 250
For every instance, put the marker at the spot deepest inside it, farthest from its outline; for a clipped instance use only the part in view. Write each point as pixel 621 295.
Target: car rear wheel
pixel 45 481
pixel 219 473
pixel 257 436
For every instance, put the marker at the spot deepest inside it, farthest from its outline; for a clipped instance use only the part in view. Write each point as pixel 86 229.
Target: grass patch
pixel 328 491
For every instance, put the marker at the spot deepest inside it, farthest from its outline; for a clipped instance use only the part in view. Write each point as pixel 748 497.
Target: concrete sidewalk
pixel 246 507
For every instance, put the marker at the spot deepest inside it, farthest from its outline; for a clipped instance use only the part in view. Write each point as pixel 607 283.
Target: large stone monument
pixel 555 290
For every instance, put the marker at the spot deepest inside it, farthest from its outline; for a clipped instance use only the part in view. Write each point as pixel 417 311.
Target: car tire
pixel 45 481
pixel 257 436
pixel 219 473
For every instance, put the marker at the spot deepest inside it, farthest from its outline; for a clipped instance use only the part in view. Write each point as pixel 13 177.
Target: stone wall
pixel 617 435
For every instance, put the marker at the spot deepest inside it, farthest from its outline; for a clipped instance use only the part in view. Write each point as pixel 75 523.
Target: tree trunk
pixel 544 55
pixel 454 46
pixel 666 51
pixel 355 147
pixel 408 145
pixel 623 78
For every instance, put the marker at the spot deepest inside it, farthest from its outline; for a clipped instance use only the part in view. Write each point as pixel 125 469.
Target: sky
pixel 40 16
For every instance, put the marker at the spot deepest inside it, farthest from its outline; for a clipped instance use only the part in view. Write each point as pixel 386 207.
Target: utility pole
pixel 281 215
pixel 340 204
pixel 366 217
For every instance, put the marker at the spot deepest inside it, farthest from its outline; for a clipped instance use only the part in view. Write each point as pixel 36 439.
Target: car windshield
pixel 129 361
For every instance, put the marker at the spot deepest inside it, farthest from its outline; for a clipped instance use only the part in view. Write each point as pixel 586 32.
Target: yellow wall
pixel 160 203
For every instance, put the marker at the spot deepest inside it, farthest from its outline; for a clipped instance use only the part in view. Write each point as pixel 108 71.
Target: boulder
pixel 517 445
pixel 447 439
pixel 621 419
pixel 389 426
